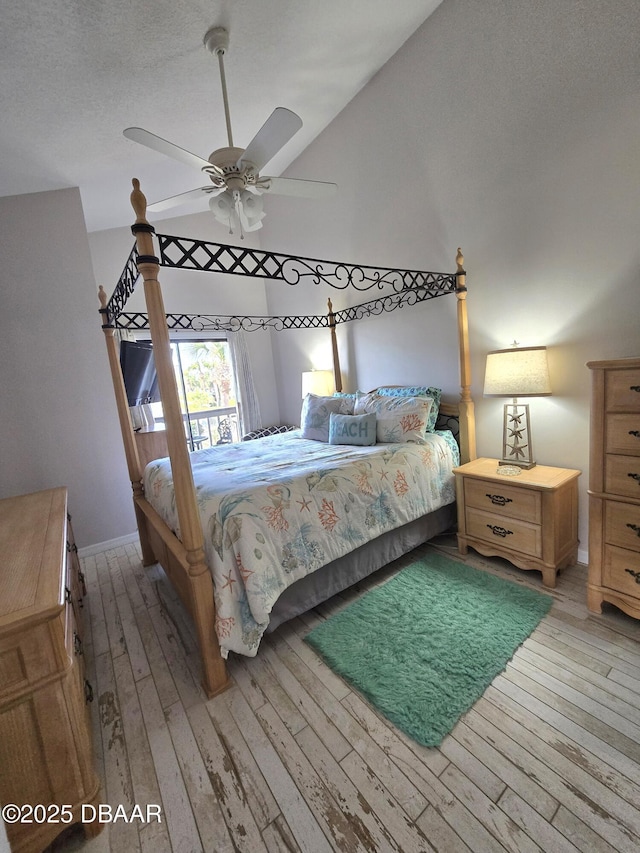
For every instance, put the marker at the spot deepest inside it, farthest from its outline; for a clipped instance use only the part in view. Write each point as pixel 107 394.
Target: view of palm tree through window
pixel 206 386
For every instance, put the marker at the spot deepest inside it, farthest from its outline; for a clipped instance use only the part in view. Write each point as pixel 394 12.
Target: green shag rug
pixel 424 646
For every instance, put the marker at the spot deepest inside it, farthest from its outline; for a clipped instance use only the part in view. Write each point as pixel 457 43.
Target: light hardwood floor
pixel 291 759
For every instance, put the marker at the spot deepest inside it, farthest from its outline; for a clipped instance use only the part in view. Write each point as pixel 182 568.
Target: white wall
pixel 58 425
pixel 510 129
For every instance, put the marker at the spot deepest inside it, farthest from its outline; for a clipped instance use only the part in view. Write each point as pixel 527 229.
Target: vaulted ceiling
pixel 75 73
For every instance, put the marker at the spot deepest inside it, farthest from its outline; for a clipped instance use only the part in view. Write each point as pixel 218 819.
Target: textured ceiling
pixel 75 73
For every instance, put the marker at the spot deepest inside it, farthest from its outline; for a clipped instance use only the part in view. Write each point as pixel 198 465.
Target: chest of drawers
pixel 45 727
pixel 614 486
pixel 530 520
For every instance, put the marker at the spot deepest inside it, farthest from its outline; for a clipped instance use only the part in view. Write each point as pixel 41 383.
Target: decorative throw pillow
pixel 348 398
pixel 417 391
pixel 352 429
pixel 314 419
pixel 399 418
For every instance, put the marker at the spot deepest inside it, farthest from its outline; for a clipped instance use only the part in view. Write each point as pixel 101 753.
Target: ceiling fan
pixel 236 188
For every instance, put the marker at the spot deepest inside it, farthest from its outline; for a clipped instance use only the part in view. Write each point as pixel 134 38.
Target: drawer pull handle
pixel 88 692
pixel 499 500
pixel 634 388
pixel 635 528
pixel 67 594
pixel 82 580
pixel 633 574
pixel 499 531
pixel 71 547
pixel 635 477
pixel 635 433
pixel 77 644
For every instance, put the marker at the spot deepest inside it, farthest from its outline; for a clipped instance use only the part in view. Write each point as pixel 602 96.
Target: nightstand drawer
pixel 622 570
pixel 511 533
pixel 622 525
pixel 622 475
pixel 623 434
pixel 623 390
pixel 498 498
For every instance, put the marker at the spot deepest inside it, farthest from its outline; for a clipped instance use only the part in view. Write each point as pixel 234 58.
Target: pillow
pixel 346 396
pixel 399 418
pixel 314 419
pixel 352 429
pixel 417 391
pixel 366 403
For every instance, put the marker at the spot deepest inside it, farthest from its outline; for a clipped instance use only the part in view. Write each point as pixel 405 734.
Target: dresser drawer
pixel 622 475
pixel 504 500
pixel 28 658
pixel 500 530
pixel 623 434
pixel 619 563
pixel 622 525
pixel 623 390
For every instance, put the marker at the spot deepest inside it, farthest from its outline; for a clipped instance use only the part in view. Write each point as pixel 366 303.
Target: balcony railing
pixel 210 427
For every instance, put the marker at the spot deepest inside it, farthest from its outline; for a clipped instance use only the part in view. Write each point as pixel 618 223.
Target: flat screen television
pixel 139 373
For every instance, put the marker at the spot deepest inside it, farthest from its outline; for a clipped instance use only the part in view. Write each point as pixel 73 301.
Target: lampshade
pixel 517 372
pixel 318 382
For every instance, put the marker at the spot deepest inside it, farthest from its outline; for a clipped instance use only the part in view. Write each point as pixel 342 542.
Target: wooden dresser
pixel 46 755
pixel 614 486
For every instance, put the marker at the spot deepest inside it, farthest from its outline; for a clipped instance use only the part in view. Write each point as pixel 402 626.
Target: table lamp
pixel 517 372
pixel 318 382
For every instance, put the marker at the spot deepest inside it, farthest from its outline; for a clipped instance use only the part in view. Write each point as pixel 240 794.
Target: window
pixel 206 386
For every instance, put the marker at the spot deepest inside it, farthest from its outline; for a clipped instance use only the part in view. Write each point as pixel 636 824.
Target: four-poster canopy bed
pixel 184 559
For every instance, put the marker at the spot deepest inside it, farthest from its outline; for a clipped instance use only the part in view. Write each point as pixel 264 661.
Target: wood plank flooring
pixel 291 759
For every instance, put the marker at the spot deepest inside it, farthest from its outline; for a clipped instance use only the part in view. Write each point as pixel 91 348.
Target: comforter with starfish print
pixel 278 508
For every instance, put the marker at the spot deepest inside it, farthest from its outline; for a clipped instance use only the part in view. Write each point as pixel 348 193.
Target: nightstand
pixel 530 519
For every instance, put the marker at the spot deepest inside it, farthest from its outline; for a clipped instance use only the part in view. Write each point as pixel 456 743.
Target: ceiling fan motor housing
pixel 227 160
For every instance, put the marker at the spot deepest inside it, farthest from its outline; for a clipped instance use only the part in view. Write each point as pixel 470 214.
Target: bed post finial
pixel 138 201
pixel 460 260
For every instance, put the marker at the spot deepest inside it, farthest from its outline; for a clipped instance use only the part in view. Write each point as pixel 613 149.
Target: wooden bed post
pixel 337 375
pixel 467 416
pixel 215 677
pixel 126 427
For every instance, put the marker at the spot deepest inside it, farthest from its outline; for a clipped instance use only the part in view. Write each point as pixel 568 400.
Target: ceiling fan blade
pixel 277 130
pixel 183 198
pixel 156 143
pixel 300 188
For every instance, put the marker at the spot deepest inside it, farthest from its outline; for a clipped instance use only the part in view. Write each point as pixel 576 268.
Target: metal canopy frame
pixel 407 287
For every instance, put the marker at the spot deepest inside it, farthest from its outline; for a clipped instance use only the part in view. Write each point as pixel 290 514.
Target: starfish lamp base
pixel 516 436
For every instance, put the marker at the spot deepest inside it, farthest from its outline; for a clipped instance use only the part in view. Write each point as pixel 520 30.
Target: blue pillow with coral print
pixel 352 429
pixel 399 418
pixel 403 419
pixel 417 391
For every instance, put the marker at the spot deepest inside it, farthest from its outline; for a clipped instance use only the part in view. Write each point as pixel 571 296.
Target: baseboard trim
pixel 92 550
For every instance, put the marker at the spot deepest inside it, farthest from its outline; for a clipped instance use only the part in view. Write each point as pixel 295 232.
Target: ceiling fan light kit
pixel 236 183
